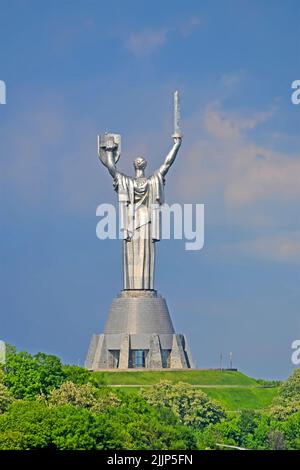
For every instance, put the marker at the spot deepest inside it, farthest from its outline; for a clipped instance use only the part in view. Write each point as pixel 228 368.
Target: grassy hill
pixel 236 399
pixel 193 377
pixel 232 389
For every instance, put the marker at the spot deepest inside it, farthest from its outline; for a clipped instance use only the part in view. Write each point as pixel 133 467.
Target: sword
pixel 177 130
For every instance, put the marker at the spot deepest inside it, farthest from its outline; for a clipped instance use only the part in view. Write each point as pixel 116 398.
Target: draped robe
pixel 139 203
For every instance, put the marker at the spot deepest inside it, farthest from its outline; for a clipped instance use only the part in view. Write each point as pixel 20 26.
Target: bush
pixel 83 396
pixel 190 405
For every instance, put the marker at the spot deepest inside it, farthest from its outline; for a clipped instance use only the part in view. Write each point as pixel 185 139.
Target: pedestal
pixel 138 334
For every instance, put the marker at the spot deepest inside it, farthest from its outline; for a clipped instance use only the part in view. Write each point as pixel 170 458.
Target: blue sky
pixel 73 69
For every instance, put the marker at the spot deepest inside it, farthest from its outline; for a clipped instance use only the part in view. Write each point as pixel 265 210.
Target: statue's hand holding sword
pixel 177 136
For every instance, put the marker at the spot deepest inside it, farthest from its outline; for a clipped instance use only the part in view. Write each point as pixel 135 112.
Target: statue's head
pixel 140 163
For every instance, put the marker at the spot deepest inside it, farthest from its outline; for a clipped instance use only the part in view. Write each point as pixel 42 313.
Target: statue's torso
pixel 140 188
pixel 142 195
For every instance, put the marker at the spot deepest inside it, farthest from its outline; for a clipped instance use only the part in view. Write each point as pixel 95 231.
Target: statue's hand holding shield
pixel 109 142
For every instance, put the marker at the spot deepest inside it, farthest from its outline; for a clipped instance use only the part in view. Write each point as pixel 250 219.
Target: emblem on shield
pixel 106 138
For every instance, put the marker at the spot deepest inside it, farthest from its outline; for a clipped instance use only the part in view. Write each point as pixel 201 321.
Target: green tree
pixel 27 376
pixel 291 430
pixel 133 425
pixel 190 405
pixel 77 374
pixel 287 402
pixel 34 425
pixel 290 389
pixel 137 425
pixel 83 396
pixel 26 425
pixel 248 429
pixel 75 428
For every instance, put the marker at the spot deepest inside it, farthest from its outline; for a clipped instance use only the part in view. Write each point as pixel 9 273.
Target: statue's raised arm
pixel 109 152
pixel 177 137
pixel 170 158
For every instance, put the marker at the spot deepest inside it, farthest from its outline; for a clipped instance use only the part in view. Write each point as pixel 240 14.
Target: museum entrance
pixel 137 358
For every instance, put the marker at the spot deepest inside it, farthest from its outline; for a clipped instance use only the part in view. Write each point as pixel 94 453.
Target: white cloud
pixel 145 42
pixel 225 126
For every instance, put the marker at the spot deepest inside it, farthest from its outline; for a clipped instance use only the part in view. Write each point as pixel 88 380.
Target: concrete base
pixel 138 334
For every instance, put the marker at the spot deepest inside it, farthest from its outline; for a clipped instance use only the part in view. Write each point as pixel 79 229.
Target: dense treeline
pixel 47 405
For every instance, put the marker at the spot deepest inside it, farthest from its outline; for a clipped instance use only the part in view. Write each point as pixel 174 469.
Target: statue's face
pixel 140 163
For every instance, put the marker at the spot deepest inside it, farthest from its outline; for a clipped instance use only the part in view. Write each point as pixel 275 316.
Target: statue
pixel 138 331
pixel 140 198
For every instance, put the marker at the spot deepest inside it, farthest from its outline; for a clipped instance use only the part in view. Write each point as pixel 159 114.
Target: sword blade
pixel 177 130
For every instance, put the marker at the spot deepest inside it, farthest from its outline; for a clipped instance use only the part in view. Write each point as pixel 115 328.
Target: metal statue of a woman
pixel 140 198
pixel 138 331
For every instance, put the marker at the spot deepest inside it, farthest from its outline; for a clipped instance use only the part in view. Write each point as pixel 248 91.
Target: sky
pixel 77 68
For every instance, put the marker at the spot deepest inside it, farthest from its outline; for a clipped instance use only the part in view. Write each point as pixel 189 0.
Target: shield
pixel 102 139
